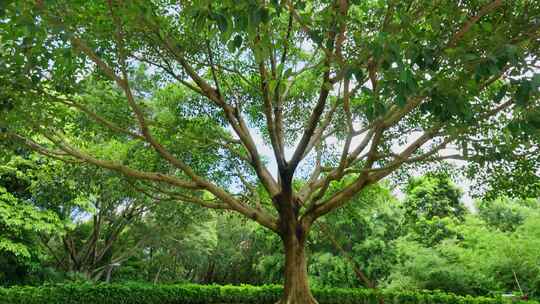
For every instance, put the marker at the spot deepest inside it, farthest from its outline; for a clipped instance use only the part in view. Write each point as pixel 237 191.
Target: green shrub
pixel 207 294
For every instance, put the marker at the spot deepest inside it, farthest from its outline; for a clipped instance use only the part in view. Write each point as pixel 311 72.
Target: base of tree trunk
pixel 296 286
pixel 296 289
pixel 295 299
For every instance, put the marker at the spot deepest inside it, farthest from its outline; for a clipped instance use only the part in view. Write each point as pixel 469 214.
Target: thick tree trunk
pixel 296 286
pixel 293 233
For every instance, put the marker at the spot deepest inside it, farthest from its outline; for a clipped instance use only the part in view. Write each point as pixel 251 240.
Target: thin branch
pixel 467 26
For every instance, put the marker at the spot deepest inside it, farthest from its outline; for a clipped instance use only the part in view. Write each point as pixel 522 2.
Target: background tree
pixel 102 209
pixel 178 245
pixel 433 195
pixel 22 223
pixel 432 207
pixel 481 261
pixel 506 214
pixel 353 246
pixel 340 90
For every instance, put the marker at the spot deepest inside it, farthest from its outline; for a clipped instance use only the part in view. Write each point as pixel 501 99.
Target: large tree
pixel 338 89
pixel 98 207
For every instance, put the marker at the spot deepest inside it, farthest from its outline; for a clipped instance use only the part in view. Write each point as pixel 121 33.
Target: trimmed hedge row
pixel 206 294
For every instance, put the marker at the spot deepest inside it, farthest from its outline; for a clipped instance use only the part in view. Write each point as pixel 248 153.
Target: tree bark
pixel 296 286
pixel 293 232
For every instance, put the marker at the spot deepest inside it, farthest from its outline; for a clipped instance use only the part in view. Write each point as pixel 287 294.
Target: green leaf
pixel 401 100
pixel 222 22
pixel 241 22
pixel 535 81
pixel 358 73
pixel 264 15
pixel 256 17
pixel 487 26
pixel 500 94
pixel 3 6
pixel 316 37
pixel 523 93
pixel 237 41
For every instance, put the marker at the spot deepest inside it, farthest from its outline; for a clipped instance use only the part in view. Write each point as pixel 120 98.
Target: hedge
pixel 207 294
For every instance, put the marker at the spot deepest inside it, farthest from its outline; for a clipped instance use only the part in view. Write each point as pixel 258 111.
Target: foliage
pixel 22 223
pixel 433 195
pixel 178 244
pixel 364 229
pixel 174 95
pixel 482 261
pixel 195 294
pixel 506 214
pixel 432 208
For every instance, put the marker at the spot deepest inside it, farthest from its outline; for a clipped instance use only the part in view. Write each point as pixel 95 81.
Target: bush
pixel 205 294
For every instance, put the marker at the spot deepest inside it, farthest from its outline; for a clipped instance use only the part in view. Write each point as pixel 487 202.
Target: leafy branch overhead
pixel 179 95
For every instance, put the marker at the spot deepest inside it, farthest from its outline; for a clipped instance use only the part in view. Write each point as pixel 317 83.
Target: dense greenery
pixel 428 240
pixel 262 141
pixel 214 294
pixel 21 223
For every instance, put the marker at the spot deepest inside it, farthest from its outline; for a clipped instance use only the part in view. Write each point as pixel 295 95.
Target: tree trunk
pixel 296 286
pixel 293 233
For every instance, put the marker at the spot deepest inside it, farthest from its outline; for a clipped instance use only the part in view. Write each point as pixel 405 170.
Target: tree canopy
pixel 176 95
